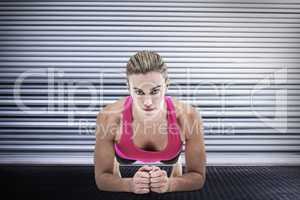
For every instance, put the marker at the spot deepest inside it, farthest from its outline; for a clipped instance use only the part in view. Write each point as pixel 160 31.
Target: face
pixel 148 92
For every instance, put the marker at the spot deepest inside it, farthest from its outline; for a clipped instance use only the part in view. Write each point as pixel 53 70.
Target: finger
pixel 155 185
pixel 154 168
pixel 157 173
pixel 155 180
pixel 143 174
pixel 143 185
pixel 142 180
pixel 143 191
pixel 145 168
pixel 162 180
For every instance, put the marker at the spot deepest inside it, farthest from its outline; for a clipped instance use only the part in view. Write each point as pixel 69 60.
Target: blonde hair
pixel 144 62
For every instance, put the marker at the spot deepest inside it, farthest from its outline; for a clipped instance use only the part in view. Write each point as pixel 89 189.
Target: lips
pixel 147 109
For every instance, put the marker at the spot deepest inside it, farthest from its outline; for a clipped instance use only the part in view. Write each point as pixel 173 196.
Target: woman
pixel 130 130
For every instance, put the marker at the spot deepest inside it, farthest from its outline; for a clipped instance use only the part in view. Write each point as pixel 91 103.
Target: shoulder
pixel 109 117
pixel 187 116
pixel 184 110
pixel 113 110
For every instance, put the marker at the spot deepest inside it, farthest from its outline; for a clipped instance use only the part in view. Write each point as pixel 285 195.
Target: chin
pixel 147 113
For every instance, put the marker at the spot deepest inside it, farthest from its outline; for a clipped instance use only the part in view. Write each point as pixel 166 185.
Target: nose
pixel 148 102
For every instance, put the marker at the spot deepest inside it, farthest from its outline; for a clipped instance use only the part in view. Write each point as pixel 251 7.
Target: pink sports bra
pixel 127 153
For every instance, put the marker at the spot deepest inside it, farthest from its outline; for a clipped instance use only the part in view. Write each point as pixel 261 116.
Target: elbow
pixel 200 182
pixel 99 183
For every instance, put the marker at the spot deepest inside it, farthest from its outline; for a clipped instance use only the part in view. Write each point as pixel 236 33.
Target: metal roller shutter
pixel 237 61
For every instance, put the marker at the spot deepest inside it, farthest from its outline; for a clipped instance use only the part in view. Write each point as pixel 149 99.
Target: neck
pixel 159 117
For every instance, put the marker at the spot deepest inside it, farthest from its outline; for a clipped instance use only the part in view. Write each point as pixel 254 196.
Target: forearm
pixel 187 182
pixel 110 182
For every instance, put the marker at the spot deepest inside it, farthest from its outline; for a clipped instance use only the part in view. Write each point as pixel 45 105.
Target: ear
pixel 168 82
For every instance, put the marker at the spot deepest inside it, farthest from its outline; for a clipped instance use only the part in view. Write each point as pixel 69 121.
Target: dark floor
pixel 77 182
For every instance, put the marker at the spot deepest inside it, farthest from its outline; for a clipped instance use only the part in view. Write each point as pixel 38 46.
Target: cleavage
pixel 148 139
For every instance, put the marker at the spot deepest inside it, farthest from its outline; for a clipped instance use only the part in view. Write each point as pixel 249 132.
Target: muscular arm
pixel 195 155
pixel 104 158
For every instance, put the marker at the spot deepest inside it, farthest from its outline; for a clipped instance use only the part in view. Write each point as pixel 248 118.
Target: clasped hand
pixel 150 178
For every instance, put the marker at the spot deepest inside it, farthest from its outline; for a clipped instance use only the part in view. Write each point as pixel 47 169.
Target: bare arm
pixel 195 156
pixel 104 157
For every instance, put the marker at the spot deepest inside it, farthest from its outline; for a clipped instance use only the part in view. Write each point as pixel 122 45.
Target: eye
pixel 139 92
pixel 154 91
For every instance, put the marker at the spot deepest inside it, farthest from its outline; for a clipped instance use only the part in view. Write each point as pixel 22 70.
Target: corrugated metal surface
pixel 237 61
pixel 229 182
